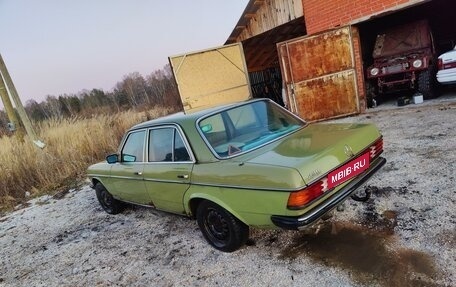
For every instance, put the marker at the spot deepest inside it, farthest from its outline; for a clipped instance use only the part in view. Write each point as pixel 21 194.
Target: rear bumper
pixel 447 76
pixel 300 222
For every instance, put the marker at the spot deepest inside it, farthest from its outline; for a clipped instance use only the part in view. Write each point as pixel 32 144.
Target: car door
pixel 168 169
pixel 127 175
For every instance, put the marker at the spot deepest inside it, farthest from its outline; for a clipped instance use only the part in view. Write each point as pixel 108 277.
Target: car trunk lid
pixel 319 148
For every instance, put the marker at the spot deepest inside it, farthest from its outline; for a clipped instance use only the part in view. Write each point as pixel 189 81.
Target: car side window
pixel 133 149
pixel 165 145
pixel 161 144
pixel 180 151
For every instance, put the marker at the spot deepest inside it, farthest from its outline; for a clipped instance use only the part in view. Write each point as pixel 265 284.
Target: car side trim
pixel 300 222
pixel 248 187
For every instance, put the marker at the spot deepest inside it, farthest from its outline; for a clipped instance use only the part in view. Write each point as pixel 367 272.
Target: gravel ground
pixel 404 235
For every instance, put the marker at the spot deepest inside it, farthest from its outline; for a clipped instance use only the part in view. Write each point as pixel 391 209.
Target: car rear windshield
pixel 243 128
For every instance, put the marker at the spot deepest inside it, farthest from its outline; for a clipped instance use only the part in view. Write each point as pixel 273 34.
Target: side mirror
pixel 112 158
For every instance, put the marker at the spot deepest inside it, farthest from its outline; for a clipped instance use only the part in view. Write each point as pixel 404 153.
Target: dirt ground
pixel 404 235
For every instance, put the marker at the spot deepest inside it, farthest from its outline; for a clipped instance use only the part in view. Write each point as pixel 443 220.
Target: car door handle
pixel 184 176
pixel 138 173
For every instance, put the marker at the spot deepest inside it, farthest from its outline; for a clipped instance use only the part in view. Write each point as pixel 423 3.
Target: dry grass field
pixel 71 146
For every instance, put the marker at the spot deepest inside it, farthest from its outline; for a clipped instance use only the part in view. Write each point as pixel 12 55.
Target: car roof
pixel 192 116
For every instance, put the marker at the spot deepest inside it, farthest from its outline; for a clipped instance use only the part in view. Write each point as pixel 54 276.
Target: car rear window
pixel 243 128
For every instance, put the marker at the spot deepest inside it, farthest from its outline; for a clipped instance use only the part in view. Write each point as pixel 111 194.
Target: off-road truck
pixel 404 60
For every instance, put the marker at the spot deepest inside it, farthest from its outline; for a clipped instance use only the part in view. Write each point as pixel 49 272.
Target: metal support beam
pixel 10 111
pixel 19 107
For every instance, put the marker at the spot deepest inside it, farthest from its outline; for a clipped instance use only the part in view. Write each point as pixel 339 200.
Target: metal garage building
pixel 314 52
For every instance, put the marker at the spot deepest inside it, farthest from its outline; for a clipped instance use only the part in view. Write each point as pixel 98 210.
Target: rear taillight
pixel 450 65
pixel 440 64
pixel 376 149
pixel 300 198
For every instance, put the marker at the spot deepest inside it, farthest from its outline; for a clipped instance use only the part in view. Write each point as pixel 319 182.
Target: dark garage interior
pixel 263 62
pixel 440 16
pixel 262 57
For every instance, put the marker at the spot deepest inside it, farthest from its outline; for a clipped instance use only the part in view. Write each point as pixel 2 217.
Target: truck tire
pixel 371 94
pixel 426 84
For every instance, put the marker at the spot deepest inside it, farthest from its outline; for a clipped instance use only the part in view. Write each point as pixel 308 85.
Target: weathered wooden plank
pixel 268 15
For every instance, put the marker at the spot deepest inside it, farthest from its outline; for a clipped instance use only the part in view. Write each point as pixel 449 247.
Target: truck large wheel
pixel 426 84
pixel 371 94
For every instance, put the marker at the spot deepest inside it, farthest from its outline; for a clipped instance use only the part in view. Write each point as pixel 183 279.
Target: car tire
pixel 220 228
pixel 107 201
pixel 426 85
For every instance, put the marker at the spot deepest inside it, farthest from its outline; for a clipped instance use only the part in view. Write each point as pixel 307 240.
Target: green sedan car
pixel 249 164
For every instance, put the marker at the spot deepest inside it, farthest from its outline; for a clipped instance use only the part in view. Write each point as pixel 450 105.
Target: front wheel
pixel 371 94
pixel 107 201
pixel 220 228
pixel 426 84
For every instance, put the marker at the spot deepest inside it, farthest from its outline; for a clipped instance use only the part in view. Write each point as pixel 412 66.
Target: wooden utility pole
pixel 19 107
pixel 19 131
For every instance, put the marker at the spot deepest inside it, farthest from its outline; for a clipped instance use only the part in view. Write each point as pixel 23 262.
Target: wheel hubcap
pixel 106 199
pixel 217 225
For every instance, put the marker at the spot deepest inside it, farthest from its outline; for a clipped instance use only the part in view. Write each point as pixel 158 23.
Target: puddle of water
pixel 367 254
pixel 382 223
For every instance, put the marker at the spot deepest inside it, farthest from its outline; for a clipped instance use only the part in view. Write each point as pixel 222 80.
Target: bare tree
pixel 134 86
pixel 53 107
pixel 134 91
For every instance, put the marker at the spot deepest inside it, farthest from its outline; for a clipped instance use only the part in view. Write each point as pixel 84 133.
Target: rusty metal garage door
pixel 319 75
pixel 211 77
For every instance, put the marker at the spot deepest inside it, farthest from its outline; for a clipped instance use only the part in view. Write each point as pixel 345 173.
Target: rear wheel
pixel 220 228
pixel 109 203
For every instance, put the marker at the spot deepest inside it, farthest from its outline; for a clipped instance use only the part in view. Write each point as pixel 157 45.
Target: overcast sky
pixel 52 47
